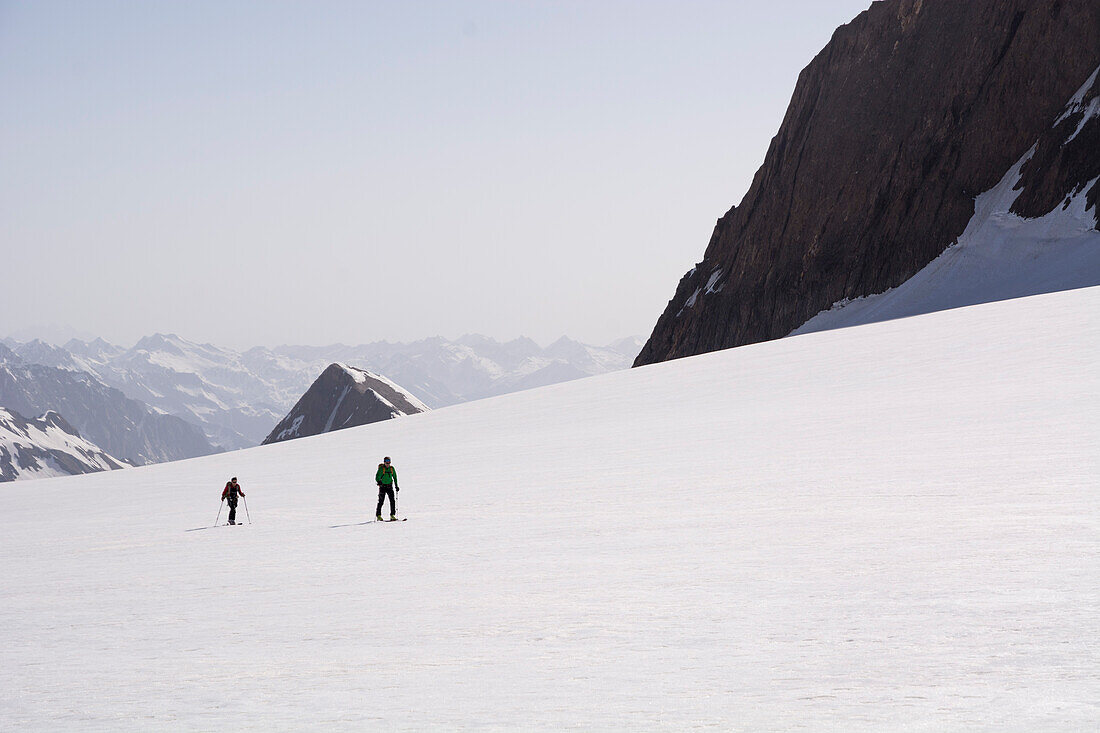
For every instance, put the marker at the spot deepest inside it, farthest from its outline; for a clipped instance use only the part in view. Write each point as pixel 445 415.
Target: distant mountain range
pixel 236 398
pixel 47 446
pixel 122 427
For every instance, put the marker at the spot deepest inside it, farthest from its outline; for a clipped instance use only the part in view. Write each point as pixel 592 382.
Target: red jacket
pixel 226 491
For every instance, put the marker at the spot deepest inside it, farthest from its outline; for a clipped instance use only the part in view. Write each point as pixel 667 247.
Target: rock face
pixel 1066 161
pixel 47 446
pixel 911 111
pixel 344 397
pixel 1011 248
pixel 124 428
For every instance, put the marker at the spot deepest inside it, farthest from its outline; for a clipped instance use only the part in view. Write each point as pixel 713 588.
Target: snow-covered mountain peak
pixel 628 347
pixel 97 349
pixel 7 355
pixel 54 418
pixel 343 397
pixel 45 447
pixel 161 342
pixel 566 347
pixel 40 352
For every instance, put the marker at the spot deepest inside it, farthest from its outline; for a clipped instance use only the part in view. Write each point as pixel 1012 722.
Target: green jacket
pixel 386 475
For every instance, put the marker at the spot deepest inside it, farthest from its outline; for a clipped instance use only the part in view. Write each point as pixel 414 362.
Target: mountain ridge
pixel 237 397
pixel 125 428
pixel 344 397
pixel 908 113
pixel 47 446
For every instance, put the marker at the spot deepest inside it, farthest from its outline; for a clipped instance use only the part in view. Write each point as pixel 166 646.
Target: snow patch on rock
pixel 999 256
pixel 47 447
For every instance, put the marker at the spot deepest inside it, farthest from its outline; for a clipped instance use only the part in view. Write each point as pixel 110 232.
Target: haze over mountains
pixel 932 157
pixel 892 526
pixel 167 398
pixel 125 428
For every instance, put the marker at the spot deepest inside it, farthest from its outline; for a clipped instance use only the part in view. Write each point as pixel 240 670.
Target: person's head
pixel 386 460
pixel 234 479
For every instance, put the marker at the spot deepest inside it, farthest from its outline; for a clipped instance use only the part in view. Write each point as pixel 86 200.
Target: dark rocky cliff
pixel 344 397
pixel 909 112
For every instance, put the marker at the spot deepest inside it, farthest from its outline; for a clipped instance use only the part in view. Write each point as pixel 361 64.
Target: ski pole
pixel 220 504
pixel 246 508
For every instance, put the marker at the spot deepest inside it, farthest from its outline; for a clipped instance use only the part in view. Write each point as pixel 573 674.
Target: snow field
pixel 890 527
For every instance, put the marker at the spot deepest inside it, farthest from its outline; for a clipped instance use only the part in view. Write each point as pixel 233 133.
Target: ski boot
pixel 393 518
pixel 378 517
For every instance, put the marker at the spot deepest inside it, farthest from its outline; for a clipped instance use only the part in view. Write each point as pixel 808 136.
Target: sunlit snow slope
pixel 890 527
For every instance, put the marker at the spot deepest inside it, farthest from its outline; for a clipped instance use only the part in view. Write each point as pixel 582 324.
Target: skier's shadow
pixel 356 524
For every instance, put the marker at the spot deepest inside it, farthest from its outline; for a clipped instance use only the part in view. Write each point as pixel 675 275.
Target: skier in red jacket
pixel 229 493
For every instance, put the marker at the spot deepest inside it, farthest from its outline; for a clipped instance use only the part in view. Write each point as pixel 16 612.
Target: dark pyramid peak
pixel 343 397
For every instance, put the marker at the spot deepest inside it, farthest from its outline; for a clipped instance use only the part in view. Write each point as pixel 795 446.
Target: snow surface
pixel 336 407
pixel 292 431
pixel 1000 255
pixel 714 279
pixel 892 527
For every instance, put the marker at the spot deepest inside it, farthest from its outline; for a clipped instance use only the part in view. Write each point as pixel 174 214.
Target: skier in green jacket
pixel 386 478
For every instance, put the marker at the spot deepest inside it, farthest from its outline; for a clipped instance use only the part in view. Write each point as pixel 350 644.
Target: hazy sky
pixel 311 172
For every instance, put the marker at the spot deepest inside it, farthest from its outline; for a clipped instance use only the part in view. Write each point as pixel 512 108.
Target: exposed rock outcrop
pixel 344 397
pixel 912 110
